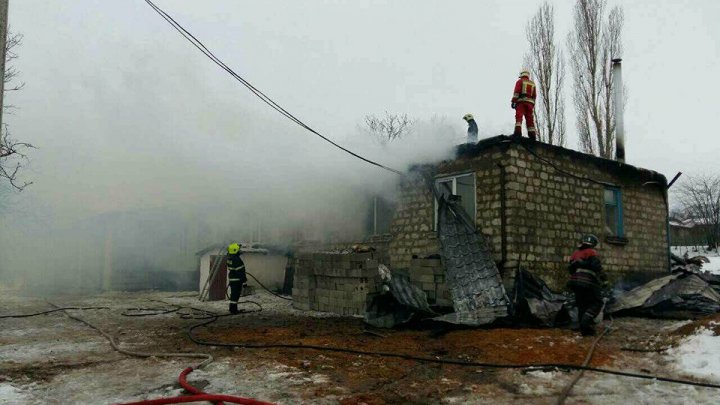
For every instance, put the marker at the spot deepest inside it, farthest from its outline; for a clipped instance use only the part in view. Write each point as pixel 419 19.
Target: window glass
pixel 613 212
pixel 465 188
pixel 462 186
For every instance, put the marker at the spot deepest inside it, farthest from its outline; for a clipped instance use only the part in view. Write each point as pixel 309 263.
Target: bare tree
pixel 592 43
pixel 388 127
pixel 13 153
pixel 699 197
pixel 547 65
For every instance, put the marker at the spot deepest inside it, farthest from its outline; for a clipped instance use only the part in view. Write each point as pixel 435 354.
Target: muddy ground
pixel 53 359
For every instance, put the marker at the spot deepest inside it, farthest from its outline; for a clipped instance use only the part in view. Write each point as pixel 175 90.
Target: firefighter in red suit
pixel 523 101
pixel 586 279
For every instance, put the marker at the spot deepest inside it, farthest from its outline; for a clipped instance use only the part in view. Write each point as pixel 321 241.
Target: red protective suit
pixel 524 101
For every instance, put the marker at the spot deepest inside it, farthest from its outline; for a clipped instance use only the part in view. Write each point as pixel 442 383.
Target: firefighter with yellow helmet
pixel 523 102
pixel 236 275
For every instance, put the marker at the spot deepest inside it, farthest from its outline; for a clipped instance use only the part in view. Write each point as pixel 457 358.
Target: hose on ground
pixel 208 358
pixel 197 395
pixel 50 311
pixel 528 367
pixel 566 391
pixel 197 398
pixel 267 289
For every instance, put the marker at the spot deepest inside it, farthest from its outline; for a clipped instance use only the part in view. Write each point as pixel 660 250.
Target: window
pixel 462 186
pixel 613 212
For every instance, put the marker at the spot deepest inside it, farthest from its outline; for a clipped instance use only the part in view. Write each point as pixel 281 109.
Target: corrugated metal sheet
pixel 639 295
pixel 475 284
pixel 408 294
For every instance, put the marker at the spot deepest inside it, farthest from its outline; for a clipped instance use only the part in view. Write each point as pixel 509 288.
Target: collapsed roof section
pixel 475 284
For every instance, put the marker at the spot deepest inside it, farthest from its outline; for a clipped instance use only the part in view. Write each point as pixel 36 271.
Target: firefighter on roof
pixel 523 102
pixel 236 275
pixel 472 132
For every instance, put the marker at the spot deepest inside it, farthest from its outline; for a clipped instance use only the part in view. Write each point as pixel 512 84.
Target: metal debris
pixel 535 303
pixel 397 302
pixel 475 284
pixel 679 296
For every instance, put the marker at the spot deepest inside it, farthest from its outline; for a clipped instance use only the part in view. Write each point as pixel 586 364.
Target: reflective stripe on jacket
pixel 525 91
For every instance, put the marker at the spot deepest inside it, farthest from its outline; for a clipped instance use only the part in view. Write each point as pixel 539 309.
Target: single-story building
pixel 533 201
pixel 267 265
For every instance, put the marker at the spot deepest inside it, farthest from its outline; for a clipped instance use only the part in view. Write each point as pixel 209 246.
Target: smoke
pixel 144 173
pixel 149 153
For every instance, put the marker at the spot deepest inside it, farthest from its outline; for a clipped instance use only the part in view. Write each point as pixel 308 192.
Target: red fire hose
pixel 197 396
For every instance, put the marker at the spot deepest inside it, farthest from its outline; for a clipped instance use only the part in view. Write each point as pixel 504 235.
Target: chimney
pixel 618 104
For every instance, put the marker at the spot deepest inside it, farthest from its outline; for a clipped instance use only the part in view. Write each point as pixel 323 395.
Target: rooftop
pixel 622 170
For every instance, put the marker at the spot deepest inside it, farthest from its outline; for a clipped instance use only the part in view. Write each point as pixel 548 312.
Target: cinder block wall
pixel 547 211
pixel 334 282
pixel 429 275
pixel 412 227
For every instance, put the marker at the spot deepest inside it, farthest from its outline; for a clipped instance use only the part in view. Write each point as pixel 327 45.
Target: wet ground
pixel 53 359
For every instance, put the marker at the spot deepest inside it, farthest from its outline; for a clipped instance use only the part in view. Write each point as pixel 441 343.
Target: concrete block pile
pixel 334 282
pixel 429 275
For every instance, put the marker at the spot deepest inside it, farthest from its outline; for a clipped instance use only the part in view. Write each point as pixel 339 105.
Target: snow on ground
pixel 11 395
pixel 698 355
pixel 714 256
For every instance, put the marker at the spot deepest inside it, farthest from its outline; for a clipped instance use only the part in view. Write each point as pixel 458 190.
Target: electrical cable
pixel 50 311
pixel 529 367
pixel 262 96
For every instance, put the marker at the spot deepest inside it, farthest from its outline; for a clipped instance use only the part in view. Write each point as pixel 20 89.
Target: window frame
pixel 619 224
pixel 454 178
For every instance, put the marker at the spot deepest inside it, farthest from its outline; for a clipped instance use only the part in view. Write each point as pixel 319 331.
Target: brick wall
pixel 413 222
pixel 546 212
pixel 429 276
pixel 334 282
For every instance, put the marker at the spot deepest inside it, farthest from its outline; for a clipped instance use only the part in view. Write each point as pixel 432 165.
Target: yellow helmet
pixel 524 73
pixel 233 248
pixel 467 117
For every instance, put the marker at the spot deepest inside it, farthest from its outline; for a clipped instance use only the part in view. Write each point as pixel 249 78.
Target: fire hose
pixel 196 394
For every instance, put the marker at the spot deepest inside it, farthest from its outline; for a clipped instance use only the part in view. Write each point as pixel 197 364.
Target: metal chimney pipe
pixel 618 105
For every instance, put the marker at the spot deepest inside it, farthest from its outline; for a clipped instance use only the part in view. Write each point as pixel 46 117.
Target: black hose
pixel 267 289
pixel 49 311
pixel 185 312
pixel 532 367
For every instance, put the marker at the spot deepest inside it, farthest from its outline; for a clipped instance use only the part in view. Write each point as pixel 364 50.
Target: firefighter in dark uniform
pixel 586 279
pixel 236 275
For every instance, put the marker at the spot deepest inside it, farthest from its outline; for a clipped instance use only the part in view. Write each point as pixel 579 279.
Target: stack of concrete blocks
pixel 429 275
pixel 334 282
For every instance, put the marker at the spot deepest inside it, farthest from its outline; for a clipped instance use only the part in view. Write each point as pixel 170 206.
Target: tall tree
pixel 592 43
pixel 699 197
pixel 13 153
pixel 387 128
pixel 547 65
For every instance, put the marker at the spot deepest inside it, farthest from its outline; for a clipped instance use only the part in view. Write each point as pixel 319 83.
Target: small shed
pixel 267 265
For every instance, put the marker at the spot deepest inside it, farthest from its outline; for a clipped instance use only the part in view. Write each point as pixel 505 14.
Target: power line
pixel 262 96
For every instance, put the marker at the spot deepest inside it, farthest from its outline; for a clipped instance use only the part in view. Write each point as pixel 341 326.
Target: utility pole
pixel 3 45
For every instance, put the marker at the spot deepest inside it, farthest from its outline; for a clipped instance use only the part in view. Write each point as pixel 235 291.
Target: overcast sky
pixel 127 114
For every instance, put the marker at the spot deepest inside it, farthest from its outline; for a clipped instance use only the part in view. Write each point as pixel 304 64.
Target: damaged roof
pixel 622 170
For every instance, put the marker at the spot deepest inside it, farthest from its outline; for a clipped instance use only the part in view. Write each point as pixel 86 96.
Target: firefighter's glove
pixel 513 105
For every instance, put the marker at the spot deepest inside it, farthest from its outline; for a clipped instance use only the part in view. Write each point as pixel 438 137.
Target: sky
pixel 127 115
